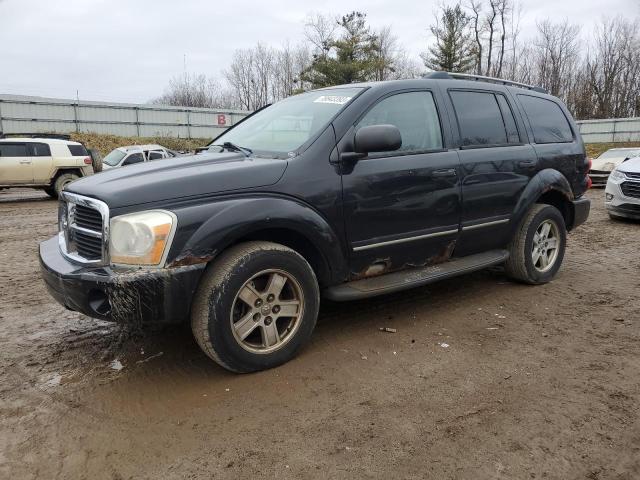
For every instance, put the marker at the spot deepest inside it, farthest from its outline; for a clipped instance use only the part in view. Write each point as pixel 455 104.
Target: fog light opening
pixel 608 197
pixel 99 302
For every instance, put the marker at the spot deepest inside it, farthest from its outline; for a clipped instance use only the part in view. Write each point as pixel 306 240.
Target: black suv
pixel 351 191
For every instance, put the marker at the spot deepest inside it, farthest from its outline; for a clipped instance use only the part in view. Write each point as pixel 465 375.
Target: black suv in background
pixel 349 192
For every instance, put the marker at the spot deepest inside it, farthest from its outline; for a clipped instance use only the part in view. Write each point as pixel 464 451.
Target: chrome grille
pixel 632 175
pixel 630 189
pixel 83 228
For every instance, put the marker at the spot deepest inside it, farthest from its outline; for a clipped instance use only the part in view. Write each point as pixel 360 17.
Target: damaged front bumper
pixel 138 296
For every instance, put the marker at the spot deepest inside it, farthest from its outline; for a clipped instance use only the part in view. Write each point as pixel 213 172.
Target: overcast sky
pixel 127 50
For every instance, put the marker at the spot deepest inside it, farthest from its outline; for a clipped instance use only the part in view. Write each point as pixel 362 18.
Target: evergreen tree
pixel 453 51
pixel 353 57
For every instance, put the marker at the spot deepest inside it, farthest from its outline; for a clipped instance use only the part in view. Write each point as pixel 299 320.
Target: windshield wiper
pixel 235 148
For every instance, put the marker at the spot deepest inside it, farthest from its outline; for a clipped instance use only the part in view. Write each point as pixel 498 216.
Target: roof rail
pixel 59 136
pixel 481 78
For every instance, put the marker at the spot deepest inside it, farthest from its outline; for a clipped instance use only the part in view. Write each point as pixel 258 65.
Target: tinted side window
pixel 13 150
pixel 133 158
pixel 509 121
pixel 479 118
pixel 78 151
pixel 415 115
pixel 547 120
pixel 153 155
pixel 40 150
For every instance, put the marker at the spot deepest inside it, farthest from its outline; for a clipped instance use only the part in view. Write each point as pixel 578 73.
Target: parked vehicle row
pixel 346 192
pixel 605 163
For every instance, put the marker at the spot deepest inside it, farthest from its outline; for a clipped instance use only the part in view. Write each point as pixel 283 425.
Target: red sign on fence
pixel 222 119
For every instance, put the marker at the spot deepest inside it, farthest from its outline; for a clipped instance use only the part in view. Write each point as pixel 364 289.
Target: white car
pixel 622 195
pixel 131 154
pixel 602 166
pixel 48 163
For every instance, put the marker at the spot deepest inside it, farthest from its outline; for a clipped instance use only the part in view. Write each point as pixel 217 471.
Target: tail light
pixel 589 164
pixel 87 161
pixel 589 182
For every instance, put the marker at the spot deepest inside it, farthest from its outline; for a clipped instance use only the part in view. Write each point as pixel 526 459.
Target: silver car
pixel 622 194
pixel 131 154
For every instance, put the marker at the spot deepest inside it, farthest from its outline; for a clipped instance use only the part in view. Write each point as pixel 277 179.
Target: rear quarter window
pixel 548 121
pixel 480 118
pixel 78 151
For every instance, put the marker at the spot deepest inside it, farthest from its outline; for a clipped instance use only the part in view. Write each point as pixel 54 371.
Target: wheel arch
pixel 63 170
pixel 548 187
pixel 276 219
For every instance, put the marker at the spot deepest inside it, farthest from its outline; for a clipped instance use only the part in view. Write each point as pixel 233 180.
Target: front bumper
pixel 125 296
pixel 617 203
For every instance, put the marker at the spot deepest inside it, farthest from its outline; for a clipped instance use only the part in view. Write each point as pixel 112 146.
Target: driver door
pixel 402 208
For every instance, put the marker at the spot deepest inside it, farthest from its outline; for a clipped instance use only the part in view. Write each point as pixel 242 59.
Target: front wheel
pixel 537 248
pixel 256 305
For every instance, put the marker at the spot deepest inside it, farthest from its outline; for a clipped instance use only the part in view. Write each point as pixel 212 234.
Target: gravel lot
pixel 484 379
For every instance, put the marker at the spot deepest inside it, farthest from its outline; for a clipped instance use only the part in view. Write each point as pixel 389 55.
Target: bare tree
pixel 557 53
pixel 190 90
pixel 614 68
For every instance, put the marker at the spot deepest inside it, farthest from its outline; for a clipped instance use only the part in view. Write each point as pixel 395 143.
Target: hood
pixel 173 178
pixel 632 165
pixel 607 164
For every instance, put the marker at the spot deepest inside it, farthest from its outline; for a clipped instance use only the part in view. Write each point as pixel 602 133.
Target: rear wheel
pixel 255 306
pixel 62 181
pixel 537 249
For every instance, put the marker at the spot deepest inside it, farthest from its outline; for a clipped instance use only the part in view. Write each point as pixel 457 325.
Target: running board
pixel 415 277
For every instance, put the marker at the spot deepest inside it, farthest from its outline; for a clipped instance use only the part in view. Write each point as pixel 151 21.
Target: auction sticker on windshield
pixel 335 99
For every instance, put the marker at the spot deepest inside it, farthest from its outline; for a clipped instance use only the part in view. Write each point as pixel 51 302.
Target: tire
pixel 62 181
pixel 96 160
pixel 520 265
pixel 233 301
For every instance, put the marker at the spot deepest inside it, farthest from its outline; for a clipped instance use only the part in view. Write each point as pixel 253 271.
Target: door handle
pixel 444 172
pixel 25 161
pixel 527 163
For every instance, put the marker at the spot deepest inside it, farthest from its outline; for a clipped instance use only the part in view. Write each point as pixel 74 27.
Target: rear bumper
pixel 581 209
pixel 125 296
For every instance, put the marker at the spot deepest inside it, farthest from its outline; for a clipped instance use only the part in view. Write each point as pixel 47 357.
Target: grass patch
pixel 595 149
pixel 105 143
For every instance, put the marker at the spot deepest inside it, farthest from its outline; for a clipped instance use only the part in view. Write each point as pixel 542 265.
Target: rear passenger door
pixel 496 162
pixel 15 164
pixel 42 162
pixel 402 208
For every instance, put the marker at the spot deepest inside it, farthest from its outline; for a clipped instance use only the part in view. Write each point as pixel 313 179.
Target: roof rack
pixel 58 136
pixel 481 78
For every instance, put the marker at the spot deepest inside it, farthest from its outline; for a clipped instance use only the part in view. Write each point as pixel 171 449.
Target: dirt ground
pixel 484 379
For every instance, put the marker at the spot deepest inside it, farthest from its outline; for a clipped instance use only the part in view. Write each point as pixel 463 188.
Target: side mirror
pixel 377 138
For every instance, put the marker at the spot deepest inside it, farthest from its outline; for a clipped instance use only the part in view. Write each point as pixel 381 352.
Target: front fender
pixel 544 181
pixel 205 230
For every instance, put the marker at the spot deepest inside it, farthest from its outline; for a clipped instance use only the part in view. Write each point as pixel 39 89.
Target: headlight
pixel 141 238
pixel 617 175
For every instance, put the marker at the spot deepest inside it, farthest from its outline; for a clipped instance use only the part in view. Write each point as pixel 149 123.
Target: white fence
pixel 610 130
pixel 22 114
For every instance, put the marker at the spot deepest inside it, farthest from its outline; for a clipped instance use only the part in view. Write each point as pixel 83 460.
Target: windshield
pixel 114 157
pixel 620 154
pixel 285 126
